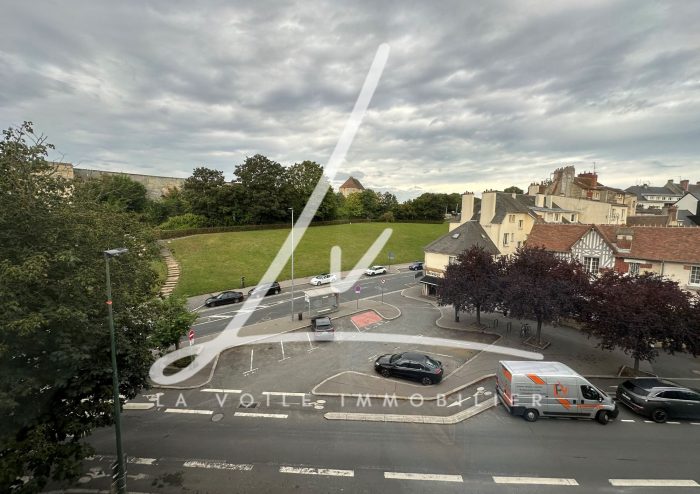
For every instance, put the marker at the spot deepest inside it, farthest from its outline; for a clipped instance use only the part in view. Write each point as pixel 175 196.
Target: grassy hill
pixel 215 262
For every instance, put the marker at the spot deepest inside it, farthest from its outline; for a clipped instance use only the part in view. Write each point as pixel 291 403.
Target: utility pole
pixel 292 209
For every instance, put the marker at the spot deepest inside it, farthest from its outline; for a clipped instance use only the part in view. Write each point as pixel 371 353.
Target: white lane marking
pixel 263 415
pixel 695 423
pixel 188 410
pixel 219 316
pixel 218 465
pixel 648 421
pixel 138 406
pixel 141 461
pixel 673 423
pixel 214 390
pixel 423 476
pixel 626 420
pixel 282 393
pixel 534 481
pixel 653 483
pixel 459 402
pixel 318 471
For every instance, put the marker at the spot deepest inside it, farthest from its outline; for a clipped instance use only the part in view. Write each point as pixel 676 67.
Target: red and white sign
pixel 383 281
pixel 190 335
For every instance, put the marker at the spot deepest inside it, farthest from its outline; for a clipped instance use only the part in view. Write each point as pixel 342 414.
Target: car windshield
pixel 430 363
pixel 395 357
pixel 634 388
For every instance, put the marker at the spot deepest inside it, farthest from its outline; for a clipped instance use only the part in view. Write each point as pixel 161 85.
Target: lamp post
pixel 121 477
pixel 292 210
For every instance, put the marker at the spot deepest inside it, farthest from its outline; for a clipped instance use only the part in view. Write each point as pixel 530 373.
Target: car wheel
pixel 531 415
pixel 603 417
pixel 278 291
pixel 426 381
pixel 207 305
pixel 659 415
pixel 386 372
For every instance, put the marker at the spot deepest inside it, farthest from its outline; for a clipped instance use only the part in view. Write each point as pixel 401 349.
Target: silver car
pixel 659 400
pixel 322 279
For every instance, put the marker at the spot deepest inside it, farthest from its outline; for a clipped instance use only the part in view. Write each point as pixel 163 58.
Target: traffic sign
pixel 190 335
pixel 391 256
pixel 383 281
pixel 357 288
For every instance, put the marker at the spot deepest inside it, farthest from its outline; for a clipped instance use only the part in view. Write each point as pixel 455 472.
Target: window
pixel 511 218
pixel 634 268
pixel 505 239
pixel 591 264
pixel 695 275
pixel 573 217
pixel 520 224
pixel 519 244
pixel 589 393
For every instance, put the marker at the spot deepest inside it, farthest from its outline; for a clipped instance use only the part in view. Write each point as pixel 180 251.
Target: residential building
pixel 351 186
pixel 659 197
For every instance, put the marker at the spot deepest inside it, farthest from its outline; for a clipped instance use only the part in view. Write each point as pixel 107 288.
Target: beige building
pixel 351 186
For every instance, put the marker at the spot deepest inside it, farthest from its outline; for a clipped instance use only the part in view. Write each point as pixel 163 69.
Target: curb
pixel 429 398
pixel 416 419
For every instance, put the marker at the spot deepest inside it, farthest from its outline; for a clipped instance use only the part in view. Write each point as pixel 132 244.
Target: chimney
pixel 467 207
pixel 669 183
pixel 548 201
pixel 624 238
pixel 488 207
pixel 539 200
pixel 684 185
pixel 672 216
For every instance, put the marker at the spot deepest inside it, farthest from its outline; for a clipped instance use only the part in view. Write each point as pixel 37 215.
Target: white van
pixel 550 389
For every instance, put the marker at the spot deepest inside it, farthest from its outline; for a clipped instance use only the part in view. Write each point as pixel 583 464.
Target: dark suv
pixel 229 297
pixel 265 289
pixel 659 400
pixel 410 365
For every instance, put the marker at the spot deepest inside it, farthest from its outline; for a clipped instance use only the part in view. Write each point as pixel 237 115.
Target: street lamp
pixel 292 210
pixel 121 477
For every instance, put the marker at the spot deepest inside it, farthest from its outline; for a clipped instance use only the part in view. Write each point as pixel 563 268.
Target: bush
pixel 184 222
pixel 388 217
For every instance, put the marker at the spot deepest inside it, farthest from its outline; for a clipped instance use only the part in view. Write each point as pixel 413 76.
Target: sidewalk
pixel 300 284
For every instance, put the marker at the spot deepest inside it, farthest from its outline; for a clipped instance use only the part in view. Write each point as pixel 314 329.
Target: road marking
pixel 215 390
pixel 648 421
pixel 318 471
pixel 251 370
pixel 262 415
pixel 141 461
pixel 534 481
pixel 459 402
pixel 188 410
pixel 673 423
pixel 653 483
pixel 282 393
pixel 218 465
pixel 695 423
pixel 626 420
pixel 423 476
pixel 138 406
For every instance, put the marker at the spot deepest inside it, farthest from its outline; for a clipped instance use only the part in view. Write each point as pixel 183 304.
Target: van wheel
pixel 531 415
pixel 386 372
pixel 659 415
pixel 603 417
pixel 426 381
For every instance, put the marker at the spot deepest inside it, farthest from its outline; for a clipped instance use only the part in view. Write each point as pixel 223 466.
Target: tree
pixel 370 203
pixel 538 285
pixel 636 312
pixel 263 195
pixel 207 194
pixel 512 189
pixel 118 191
pixel 471 283
pixel 301 180
pixel 55 368
pixel 430 206
pixel 353 206
pixel 387 203
pixel 173 322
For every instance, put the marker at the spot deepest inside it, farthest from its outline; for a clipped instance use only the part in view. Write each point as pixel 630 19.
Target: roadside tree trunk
pixel 478 314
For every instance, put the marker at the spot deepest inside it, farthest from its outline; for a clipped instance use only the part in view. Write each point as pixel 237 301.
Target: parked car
pixel 659 400
pixel 323 328
pixel 416 266
pixel 224 298
pixel 411 366
pixel 375 270
pixel 265 289
pixel 322 279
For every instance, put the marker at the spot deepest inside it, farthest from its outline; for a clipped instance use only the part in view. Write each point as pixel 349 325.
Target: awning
pixel 431 280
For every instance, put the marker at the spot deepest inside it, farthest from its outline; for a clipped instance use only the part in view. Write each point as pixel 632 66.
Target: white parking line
pixel 653 483
pixel 188 410
pixel 695 423
pixel 141 461
pixel 423 476
pixel 262 415
pixel 673 423
pixel 215 390
pixel 318 471
pixel 534 481
pixel 626 420
pixel 218 465
pixel 282 393
pixel 138 406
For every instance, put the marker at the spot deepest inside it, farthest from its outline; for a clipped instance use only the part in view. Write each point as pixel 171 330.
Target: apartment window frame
pixel 634 268
pixel 694 278
pixel 520 224
pixel 505 240
pixel 589 262
pixel 511 218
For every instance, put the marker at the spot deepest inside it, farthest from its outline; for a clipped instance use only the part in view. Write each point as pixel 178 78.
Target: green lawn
pixel 215 262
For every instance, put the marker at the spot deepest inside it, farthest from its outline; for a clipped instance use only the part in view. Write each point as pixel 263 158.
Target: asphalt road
pixel 305 453
pixel 214 320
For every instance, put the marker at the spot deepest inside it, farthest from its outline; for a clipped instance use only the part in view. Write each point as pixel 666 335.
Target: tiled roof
pixel 674 244
pixel 555 237
pixel 467 235
pixel 352 183
pixel 507 204
pixel 642 190
pixel 644 220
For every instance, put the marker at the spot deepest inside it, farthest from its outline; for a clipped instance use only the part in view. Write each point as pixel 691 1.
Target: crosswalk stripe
pixel 218 465
pixel 423 476
pixel 653 483
pixel 188 410
pixel 318 471
pixel 262 415
pixel 215 390
pixel 534 480
pixel 627 420
pixel 282 393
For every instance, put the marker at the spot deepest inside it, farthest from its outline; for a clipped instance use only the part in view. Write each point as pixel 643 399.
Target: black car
pixel 265 289
pixel 416 266
pixel 659 400
pixel 410 365
pixel 224 298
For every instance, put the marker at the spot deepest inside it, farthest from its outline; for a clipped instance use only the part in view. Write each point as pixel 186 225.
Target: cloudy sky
pixel 473 96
